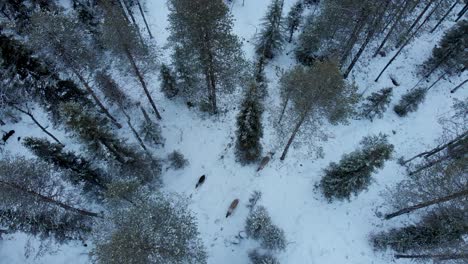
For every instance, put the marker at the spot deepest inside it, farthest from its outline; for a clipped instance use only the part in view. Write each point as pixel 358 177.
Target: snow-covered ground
pixel 317 231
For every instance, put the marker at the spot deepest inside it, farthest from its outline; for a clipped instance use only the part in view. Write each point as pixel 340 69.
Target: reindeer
pixel 200 181
pixel 265 161
pixel 7 135
pixel 232 207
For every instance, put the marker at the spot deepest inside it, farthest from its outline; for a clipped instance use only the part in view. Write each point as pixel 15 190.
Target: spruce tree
pixel 271 39
pixel 259 226
pixel 293 20
pixel 249 128
pixel 156 230
pixel 82 171
pixel 410 101
pixel 353 173
pixel 168 82
pixel 376 104
pixel 93 131
pixel 35 200
pixel 206 52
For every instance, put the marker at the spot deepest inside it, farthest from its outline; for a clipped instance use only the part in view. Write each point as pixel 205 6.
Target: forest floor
pixel 317 231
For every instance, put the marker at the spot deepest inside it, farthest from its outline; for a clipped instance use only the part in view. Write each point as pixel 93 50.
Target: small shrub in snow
pixel 376 104
pixel 177 160
pixel 256 195
pixel 259 258
pixel 410 102
pixel 353 173
pixel 260 227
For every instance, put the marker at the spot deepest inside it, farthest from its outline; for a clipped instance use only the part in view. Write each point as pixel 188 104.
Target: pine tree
pixel 376 104
pixel 410 101
pixel 313 93
pixel 249 129
pixel 168 82
pixel 156 230
pixel 82 171
pixel 271 38
pixel 205 49
pixel 293 20
pixel 259 226
pixel 353 173
pixel 122 38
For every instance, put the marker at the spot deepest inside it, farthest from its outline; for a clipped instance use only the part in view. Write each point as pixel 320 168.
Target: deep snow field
pixel 318 232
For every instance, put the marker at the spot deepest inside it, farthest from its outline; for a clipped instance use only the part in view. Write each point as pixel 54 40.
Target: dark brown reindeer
pixel 200 181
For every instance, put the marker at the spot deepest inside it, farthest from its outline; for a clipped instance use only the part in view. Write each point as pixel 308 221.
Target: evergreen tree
pixel 156 230
pixel 168 82
pixel 249 128
pixel 271 38
pixel 452 52
pixel 205 49
pixel 34 200
pixel 437 229
pixel 259 226
pixel 123 40
pixel 293 20
pixel 92 130
pixel 410 101
pixel 82 171
pixel 314 94
pixel 376 104
pixel 353 173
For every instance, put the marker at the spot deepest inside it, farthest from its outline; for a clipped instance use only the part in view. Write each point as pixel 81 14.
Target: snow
pixel 317 231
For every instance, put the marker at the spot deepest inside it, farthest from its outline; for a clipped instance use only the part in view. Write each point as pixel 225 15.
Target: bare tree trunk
pixel 49 199
pixel 132 17
pixel 370 35
pixel 354 36
pixel 392 28
pixel 144 18
pixel 135 133
pixel 405 43
pixel 436 81
pixel 462 12
pixel 293 135
pixel 444 16
pixel 448 256
pixel 459 86
pixel 437 149
pixel 114 151
pixel 426 204
pixel 28 113
pixel 408 32
pixel 96 99
pixel 283 109
pixel 430 164
pixel 142 81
